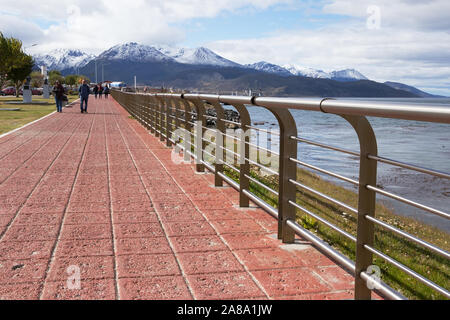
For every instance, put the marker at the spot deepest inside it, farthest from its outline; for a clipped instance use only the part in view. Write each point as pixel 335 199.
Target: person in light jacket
pixel 84 91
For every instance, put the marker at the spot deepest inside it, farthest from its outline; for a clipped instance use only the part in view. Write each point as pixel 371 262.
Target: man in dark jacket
pixel 84 91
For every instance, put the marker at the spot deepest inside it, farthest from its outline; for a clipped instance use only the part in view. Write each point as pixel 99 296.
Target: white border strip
pixel 30 123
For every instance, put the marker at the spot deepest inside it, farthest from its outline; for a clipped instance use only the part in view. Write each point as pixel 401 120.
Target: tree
pixel 15 65
pixel 71 79
pixel 54 76
pixel 4 59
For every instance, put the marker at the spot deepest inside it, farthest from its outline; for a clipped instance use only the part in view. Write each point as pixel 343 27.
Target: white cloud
pixel 96 25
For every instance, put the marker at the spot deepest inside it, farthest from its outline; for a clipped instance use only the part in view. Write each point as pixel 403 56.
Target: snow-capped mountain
pixel 61 59
pixel 201 55
pixel 269 67
pixel 339 75
pixel 68 60
pixel 347 74
pixel 307 72
pixel 134 52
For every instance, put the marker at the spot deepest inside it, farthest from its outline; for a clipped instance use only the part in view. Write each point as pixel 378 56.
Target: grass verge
pixel 10 120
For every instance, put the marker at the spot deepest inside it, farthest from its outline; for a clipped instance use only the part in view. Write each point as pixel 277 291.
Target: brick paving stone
pixel 233 226
pixel 337 278
pixel 246 240
pixel 147 265
pixel 135 217
pixel 86 217
pixel 31 232
pixel 20 291
pixel 292 281
pixel 155 288
pixel 91 267
pixel 138 230
pixel 127 246
pixel 86 231
pixel 268 258
pixel 98 289
pixel 197 243
pixel 25 249
pixel 80 248
pixel 38 218
pixel 209 261
pixel 230 285
pixel 20 271
pixel 188 228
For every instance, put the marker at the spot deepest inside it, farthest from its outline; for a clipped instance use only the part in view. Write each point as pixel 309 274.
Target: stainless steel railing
pixel 163 114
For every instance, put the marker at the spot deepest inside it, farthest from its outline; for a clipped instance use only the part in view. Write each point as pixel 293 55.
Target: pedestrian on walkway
pixel 106 91
pixel 58 92
pixel 95 90
pixel 100 90
pixel 84 91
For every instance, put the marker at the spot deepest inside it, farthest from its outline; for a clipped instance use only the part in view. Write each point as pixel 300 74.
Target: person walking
pixel 106 92
pixel 100 90
pixel 95 90
pixel 58 92
pixel 84 91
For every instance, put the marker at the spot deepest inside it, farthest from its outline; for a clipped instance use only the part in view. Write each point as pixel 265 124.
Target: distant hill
pixel 404 87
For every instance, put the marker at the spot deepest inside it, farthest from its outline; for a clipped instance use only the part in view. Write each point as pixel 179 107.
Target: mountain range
pixel 201 69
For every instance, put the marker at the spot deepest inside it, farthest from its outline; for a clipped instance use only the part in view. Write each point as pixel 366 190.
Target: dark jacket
pixel 84 91
pixel 58 91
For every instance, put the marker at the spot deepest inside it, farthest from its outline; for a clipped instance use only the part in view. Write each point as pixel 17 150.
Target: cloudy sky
pixel 397 40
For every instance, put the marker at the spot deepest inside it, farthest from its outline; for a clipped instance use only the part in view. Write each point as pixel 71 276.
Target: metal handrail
pixel 154 111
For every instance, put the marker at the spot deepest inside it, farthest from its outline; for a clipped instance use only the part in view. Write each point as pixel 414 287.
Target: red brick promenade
pixel 96 191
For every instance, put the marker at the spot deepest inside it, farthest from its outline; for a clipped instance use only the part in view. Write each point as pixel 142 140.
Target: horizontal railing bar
pixel 262 167
pixel 407 201
pixel 430 246
pixel 264 130
pixel 325 171
pixel 262 148
pixel 323 246
pixel 261 184
pixel 324 221
pixel 271 210
pixel 320 194
pixel 232 122
pixel 407 270
pixel 230 181
pixel 325 146
pixel 230 166
pixel 410 166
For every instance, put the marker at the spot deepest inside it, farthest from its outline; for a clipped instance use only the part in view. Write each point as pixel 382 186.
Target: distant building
pixel 118 84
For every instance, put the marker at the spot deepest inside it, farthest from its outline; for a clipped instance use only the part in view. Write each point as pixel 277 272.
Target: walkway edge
pixel 29 123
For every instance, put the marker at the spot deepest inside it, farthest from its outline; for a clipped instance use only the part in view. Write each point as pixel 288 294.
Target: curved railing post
pixel 287 171
pixel 220 131
pixel 244 153
pixel 366 201
pixel 187 127
pixel 168 121
pixel 199 130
